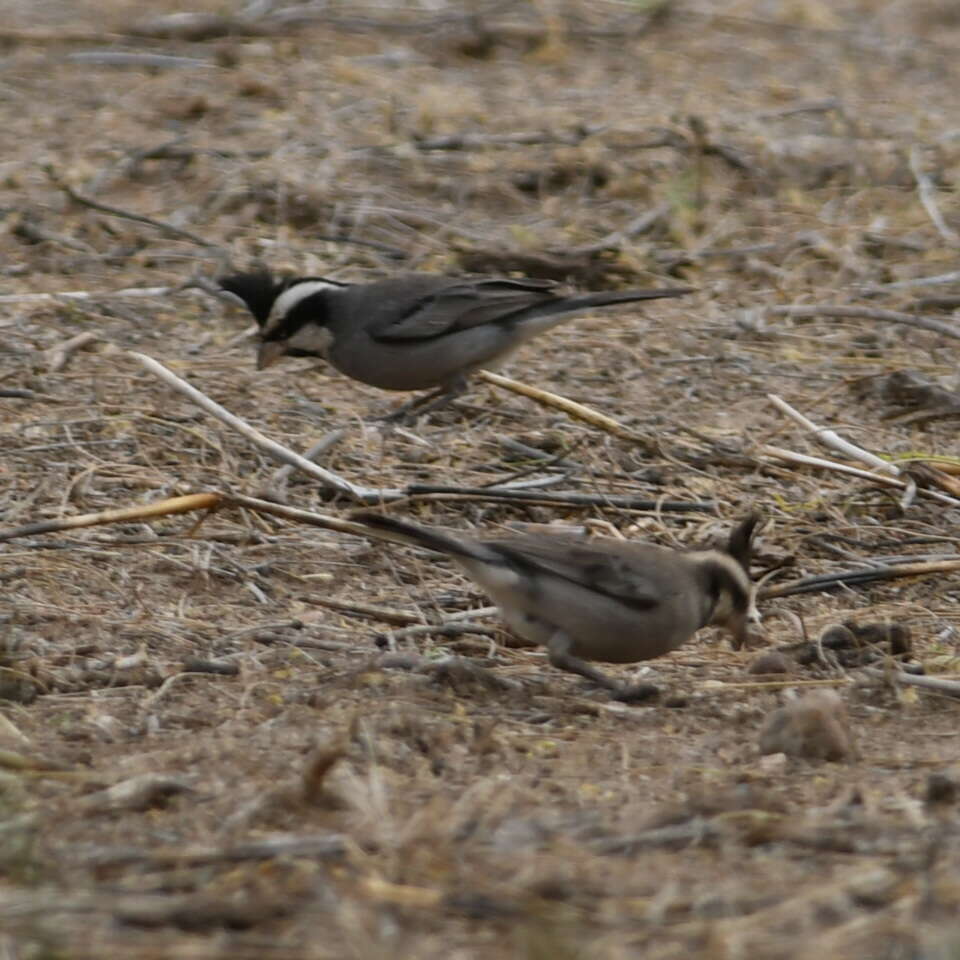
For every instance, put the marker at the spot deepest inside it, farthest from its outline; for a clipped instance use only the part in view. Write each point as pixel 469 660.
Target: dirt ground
pixel 205 751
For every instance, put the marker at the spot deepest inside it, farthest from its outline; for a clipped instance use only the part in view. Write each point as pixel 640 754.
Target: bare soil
pixel 280 788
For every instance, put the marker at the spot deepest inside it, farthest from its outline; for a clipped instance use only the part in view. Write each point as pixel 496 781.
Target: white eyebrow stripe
pixel 293 295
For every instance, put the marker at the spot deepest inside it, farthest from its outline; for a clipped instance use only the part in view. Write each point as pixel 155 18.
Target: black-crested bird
pixel 415 331
pixel 614 601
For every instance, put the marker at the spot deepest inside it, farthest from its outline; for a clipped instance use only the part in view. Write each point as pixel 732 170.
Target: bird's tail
pixel 389 528
pixel 611 297
pixel 543 316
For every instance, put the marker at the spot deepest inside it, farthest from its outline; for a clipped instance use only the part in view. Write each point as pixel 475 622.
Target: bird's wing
pixel 466 304
pixel 626 572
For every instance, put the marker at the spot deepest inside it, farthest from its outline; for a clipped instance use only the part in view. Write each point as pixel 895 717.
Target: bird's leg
pixel 434 400
pixel 405 411
pixel 636 693
pixel 558 652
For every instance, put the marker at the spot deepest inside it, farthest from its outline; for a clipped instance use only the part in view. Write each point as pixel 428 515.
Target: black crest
pixel 738 546
pixel 257 289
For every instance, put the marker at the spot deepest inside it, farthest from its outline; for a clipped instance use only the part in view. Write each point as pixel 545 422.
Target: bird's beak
pixel 753 614
pixel 746 627
pixel 270 352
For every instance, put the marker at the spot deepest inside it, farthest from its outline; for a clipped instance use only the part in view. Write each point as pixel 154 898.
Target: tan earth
pixel 206 750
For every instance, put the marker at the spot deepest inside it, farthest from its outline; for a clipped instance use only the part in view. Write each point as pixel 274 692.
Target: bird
pixel 614 601
pixel 412 331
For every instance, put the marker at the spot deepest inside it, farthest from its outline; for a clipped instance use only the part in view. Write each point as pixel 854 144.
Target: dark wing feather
pixel 469 304
pixel 625 574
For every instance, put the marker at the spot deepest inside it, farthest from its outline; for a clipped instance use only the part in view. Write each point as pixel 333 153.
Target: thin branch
pixel 867 313
pixel 285 455
pixel 14 393
pixel 927 192
pixel 168 228
pixel 153 61
pixel 931 281
pixel 87 295
pixel 803 459
pixel 394 253
pixel 277 485
pixel 322 520
pixel 444 629
pixel 150 511
pixel 212 500
pixel 475 141
pixel 802 106
pixel 940 684
pixel 615 240
pixel 570 407
pixel 778 684
pixel 674 258
pixel 826 581
pixel 58 357
pixel 832 439
pixel 397 618
pixel 329 845
pixel 566 498
pixel 11 35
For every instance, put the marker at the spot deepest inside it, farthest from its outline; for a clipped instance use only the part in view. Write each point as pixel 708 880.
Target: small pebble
pixel 895 636
pixel 838 636
pixel 814 727
pixel 773 763
pixel 941 789
pixel 770 661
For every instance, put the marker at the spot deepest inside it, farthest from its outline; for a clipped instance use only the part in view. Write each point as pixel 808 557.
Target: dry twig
pixel 804 460
pixel 928 197
pixel 479 141
pixel 285 455
pixel 826 581
pixel 939 684
pixel 931 281
pixel 150 61
pixel 58 357
pixel 168 228
pixel 564 497
pixel 832 439
pixel 842 311
pixel 322 845
pixel 277 486
pixel 570 407
pixel 86 295
pixel 15 393
pixel 616 239
pixel 164 508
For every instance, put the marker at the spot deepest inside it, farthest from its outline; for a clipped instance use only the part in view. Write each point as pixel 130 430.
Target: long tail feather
pixel 610 297
pixel 399 531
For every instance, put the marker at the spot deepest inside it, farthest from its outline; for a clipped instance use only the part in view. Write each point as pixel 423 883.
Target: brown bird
pixel 415 331
pixel 609 600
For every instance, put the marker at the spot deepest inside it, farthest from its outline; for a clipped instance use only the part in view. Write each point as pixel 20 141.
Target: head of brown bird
pixel 730 593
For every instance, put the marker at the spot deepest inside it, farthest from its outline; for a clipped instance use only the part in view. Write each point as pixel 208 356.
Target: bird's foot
pixel 636 693
pixel 418 407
